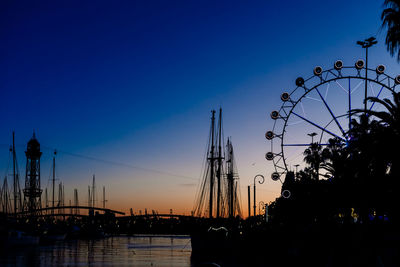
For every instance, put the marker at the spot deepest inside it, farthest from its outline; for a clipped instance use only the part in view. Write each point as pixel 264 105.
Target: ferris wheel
pixel 319 108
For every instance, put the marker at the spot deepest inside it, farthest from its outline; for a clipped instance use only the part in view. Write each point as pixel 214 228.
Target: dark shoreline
pixel 307 245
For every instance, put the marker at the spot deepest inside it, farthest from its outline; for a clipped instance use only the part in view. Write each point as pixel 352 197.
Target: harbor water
pixel 145 250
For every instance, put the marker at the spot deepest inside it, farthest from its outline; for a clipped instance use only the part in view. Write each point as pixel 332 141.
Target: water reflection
pixel 112 251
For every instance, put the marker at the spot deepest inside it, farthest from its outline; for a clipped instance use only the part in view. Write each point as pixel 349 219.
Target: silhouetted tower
pixel 32 191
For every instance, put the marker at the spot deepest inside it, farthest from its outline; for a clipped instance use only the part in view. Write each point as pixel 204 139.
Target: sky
pixel 124 89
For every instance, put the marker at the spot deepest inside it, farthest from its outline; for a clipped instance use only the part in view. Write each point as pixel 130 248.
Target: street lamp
pixel 366 44
pixel 312 137
pixel 260 182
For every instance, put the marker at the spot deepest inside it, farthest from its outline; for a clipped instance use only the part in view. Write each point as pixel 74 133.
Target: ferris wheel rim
pixel 391 85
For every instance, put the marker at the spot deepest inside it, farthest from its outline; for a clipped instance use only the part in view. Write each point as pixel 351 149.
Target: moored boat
pixel 20 238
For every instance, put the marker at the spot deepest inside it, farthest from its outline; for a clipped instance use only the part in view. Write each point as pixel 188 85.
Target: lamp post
pixel 260 182
pixel 312 136
pixel 248 198
pixel 366 44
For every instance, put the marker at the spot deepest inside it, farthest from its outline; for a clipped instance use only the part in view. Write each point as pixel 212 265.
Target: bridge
pixel 72 208
pixel 61 212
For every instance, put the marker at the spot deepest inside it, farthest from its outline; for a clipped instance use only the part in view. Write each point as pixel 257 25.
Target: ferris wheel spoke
pixel 302 108
pixel 373 103
pixel 330 111
pixel 341 87
pixel 279 167
pixel 372 89
pixel 327 89
pixel 294 123
pixel 319 127
pixel 349 111
pixel 280 159
pixel 355 88
pixel 312 98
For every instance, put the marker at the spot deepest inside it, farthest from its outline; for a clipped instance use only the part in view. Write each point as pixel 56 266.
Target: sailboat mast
pixel 211 158
pixel 89 197
pixel 94 191
pixel 53 180
pixel 230 180
pixel 219 164
pixel 14 175
pixel 104 197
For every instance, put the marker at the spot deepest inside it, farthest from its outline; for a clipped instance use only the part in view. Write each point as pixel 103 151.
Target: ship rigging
pixel 219 193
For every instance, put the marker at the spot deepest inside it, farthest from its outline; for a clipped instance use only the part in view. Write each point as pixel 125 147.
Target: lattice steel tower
pixel 32 191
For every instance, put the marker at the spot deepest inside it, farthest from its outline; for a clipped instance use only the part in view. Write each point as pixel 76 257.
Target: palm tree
pixel 375 148
pixel 389 121
pixel 391 118
pixel 391 19
pixel 335 159
pixel 313 157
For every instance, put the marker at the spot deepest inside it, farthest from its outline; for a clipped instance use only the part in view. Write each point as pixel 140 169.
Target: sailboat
pixel 218 195
pixel 217 203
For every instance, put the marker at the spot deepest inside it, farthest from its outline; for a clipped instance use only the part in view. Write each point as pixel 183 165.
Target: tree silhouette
pixel 335 159
pixel 391 19
pixel 384 133
pixel 313 157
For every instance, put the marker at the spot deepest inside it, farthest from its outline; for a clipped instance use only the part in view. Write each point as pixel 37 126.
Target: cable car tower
pixel 32 191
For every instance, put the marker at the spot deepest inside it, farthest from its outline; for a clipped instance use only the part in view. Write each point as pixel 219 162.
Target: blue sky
pixel 134 81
